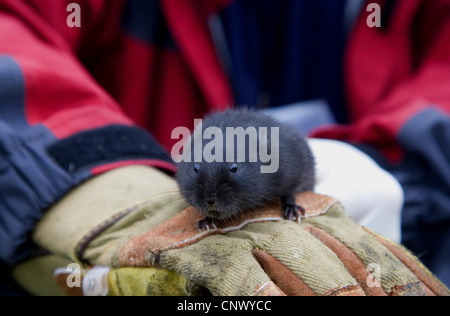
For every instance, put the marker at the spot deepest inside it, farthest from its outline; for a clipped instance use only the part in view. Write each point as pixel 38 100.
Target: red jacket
pixel 390 76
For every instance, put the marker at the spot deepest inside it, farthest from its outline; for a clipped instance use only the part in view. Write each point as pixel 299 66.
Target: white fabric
pixel 371 196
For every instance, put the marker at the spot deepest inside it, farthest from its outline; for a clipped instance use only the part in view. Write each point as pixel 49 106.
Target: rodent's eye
pixel 196 168
pixel 233 167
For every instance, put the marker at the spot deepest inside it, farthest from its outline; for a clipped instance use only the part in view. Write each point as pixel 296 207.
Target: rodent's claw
pixel 291 212
pixel 206 224
pixel 301 209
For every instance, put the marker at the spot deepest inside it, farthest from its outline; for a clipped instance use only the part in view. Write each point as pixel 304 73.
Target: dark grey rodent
pixel 222 189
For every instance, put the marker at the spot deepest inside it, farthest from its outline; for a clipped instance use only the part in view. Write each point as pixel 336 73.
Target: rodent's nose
pixel 211 201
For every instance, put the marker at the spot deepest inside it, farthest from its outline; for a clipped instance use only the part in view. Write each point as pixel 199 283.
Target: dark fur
pixel 248 188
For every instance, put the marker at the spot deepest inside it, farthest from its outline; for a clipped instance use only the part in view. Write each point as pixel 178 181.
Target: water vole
pixel 226 179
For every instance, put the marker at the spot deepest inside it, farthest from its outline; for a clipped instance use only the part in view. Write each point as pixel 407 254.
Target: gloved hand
pixel 260 253
pixel 134 221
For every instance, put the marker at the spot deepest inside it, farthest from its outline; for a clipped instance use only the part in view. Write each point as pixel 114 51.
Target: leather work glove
pixel 133 221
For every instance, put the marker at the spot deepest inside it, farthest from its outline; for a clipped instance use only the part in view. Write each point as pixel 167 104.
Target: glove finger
pixel 354 265
pixel 284 278
pixel 393 276
pixel 430 282
pixel 291 248
pixel 292 285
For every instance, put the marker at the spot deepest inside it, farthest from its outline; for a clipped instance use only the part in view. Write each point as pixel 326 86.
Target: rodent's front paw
pixel 291 212
pixel 290 209
pixel 206 224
